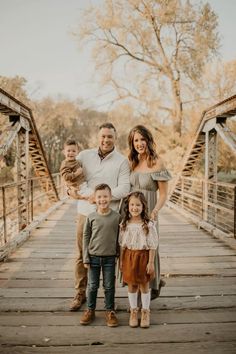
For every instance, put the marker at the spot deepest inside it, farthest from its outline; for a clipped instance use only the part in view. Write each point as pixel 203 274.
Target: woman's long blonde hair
pixel 151 146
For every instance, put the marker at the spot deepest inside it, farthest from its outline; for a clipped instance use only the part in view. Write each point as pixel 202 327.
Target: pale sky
pixel 36 44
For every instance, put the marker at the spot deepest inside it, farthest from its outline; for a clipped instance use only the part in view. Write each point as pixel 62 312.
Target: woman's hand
pixel 87 265
pixel 154 215
pixel 120 265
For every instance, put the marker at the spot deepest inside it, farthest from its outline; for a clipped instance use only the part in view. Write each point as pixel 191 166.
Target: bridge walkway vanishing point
pixel 196 312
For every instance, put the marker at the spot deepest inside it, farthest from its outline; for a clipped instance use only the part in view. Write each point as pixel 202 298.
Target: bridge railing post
pixel 203 201
pixel 4 216
pixel 32 198
pixel 235 212
pixel 182 192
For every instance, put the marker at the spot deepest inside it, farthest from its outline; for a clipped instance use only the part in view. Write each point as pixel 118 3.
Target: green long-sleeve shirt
pixel 100 236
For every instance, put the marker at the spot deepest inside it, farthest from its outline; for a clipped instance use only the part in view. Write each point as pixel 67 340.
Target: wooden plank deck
pixel 196 312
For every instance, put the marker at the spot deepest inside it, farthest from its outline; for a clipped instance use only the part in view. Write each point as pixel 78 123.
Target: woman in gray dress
pixel 149 176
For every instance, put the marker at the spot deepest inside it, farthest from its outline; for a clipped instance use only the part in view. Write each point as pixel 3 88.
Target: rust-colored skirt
pixel 134 264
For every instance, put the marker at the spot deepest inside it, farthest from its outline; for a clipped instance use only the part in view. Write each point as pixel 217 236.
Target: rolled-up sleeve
pixel 123 182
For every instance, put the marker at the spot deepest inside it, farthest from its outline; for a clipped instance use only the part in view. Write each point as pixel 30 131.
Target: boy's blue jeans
pixel 107 265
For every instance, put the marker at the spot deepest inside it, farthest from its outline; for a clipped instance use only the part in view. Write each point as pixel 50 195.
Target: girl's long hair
pixel 151 146
pixel 144 214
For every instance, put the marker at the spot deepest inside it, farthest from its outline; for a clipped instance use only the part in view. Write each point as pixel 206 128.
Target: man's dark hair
pixel 101 187
pixel 107 125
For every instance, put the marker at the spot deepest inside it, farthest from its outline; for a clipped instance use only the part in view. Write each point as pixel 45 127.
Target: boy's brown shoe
pixel 111 319
pixel 145 318
pixel 87 317
pixel 77 302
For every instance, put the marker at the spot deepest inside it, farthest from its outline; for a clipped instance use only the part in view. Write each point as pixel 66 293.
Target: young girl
pixel 138 241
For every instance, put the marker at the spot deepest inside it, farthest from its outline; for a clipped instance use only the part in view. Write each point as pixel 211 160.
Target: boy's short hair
pixel 101 187
pixel 71 141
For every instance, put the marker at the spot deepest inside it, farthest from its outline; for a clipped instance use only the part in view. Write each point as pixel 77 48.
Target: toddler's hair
pixel 101 187
pixel 71 141
pixel 144 214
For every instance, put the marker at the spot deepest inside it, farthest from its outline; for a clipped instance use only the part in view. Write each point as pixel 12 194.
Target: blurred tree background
pixel 161 59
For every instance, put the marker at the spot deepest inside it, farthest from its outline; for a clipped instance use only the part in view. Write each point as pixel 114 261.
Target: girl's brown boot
pixel 145 318
pixel 133 318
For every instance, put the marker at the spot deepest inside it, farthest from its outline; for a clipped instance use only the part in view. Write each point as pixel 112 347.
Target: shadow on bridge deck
pixel 195 313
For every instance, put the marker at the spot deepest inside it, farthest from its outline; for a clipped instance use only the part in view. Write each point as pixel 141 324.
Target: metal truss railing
pixel 36 203
pixel 211 202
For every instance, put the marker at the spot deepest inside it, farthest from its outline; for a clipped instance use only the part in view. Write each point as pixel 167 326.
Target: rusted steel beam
pixel 211 126
pixel 10 133
pixel 235 212
pixel 22 182
pixel 11 106
pixel 226 108
pixel 4 215
pixel 228 137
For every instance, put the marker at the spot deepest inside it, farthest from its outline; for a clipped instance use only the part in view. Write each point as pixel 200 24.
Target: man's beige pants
pixel 80 271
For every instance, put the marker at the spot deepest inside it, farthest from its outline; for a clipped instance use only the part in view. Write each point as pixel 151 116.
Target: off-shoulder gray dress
pixel 147 182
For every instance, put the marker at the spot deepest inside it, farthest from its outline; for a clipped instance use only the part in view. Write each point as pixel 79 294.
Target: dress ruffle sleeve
pixel 162 175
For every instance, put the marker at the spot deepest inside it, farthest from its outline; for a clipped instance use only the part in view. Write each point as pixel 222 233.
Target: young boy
pixel 100 249
pixel 70 169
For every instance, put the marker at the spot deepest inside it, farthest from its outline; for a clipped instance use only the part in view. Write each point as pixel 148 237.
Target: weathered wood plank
pixel 60 259
pixel 66 272
pixel 60 335
pixel 37 275
pixel 170 282
pixel 222 260
pixel 37 287
pixel 69 292
pixel 70 248
pixel 98 348
pixel 62 304
pixel 16 319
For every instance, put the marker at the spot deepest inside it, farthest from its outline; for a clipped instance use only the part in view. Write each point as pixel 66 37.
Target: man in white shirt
pixel 101 165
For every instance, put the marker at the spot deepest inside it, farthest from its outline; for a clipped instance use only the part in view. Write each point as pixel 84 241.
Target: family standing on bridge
pixel 106 185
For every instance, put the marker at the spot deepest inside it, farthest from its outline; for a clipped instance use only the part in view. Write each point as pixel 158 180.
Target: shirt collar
pixel 102 155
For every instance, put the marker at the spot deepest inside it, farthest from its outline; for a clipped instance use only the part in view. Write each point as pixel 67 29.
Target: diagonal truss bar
pixel 212 118
pixel 227 135
pixel 10 106
pixel 8 138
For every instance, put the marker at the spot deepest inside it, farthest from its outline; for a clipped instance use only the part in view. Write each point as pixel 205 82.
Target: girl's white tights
pixel 146 298
pixel 133 300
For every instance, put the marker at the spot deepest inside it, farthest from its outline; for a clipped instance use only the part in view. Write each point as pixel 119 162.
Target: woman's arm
pixel 161 198
pixel 120 257
pixel 150 265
